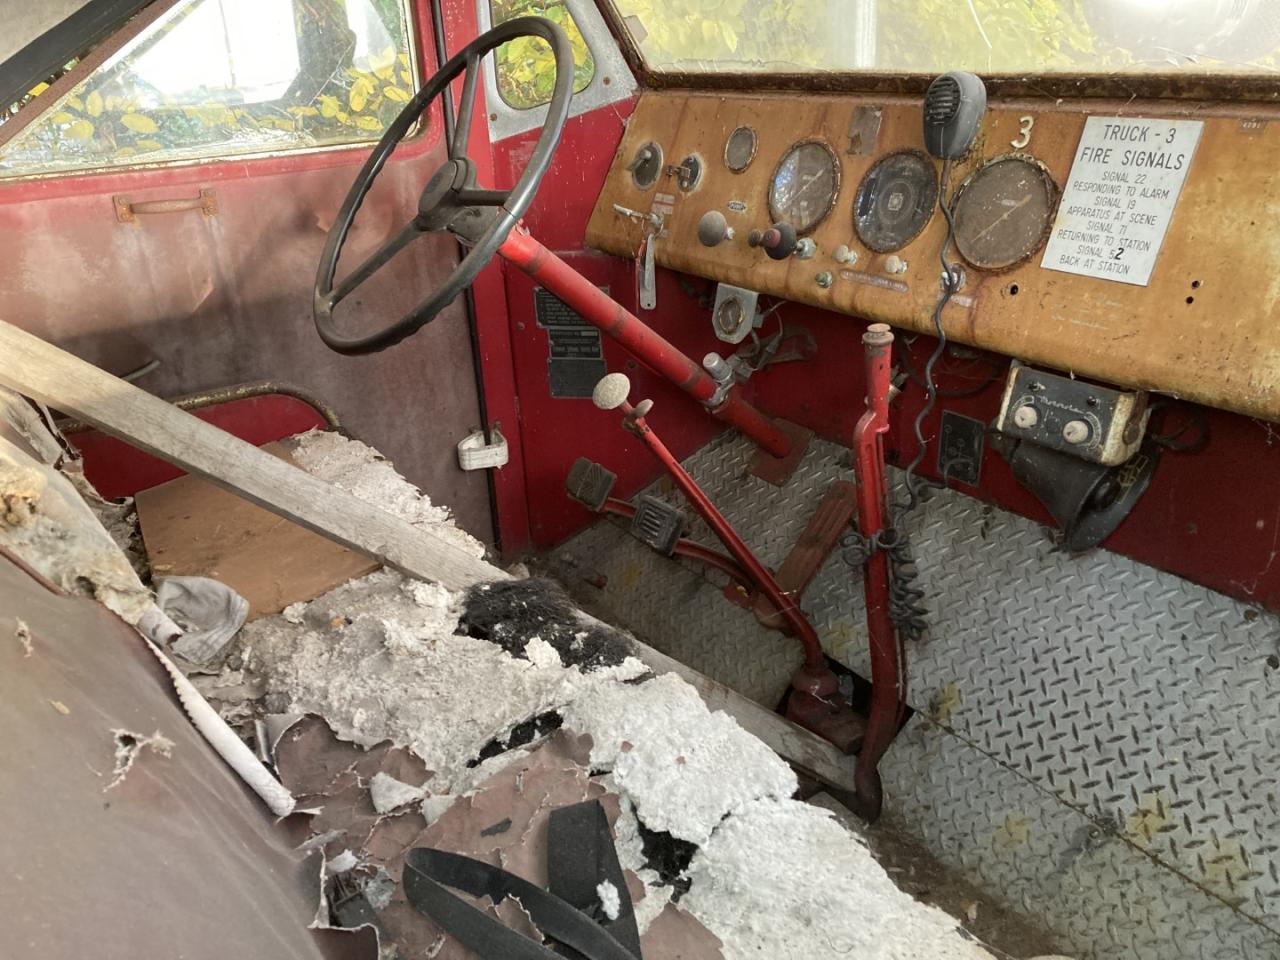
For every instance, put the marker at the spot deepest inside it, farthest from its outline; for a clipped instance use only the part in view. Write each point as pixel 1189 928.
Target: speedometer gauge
pixel 805 186
pixel 1003 212
pixel 895 200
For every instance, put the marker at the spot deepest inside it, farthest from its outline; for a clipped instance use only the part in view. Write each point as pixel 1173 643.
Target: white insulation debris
pixel 782 879
pixel 610 899
pixel 363 472
pixel 378 659
pixel 387 793
pixel 683 767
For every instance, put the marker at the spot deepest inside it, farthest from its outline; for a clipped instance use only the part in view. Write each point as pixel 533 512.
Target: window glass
pixel 989 37
pixel 218 78
pixel 526 67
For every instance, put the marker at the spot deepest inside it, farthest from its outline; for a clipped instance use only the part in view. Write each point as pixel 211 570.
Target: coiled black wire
pixel 907 610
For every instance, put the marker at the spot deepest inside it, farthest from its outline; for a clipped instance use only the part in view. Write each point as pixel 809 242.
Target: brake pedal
pixel 590 483
pixel 657 524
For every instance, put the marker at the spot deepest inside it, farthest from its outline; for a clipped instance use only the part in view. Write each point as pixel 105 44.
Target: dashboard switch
pixel 779 241
pixel 714 229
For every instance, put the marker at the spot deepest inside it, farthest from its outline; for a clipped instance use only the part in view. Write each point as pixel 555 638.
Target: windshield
pixel 991 37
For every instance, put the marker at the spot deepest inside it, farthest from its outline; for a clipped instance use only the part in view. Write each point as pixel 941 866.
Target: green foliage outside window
pixel 526 67
pixel 289 74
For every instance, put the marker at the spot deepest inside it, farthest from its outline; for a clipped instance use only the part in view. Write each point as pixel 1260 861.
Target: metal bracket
pixel 475 453
pixel 128 212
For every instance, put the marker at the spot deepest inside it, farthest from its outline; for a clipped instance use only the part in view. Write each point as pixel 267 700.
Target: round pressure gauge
pixel 1003 212
pixel 895 200
pixel 740 149
pixel 805 186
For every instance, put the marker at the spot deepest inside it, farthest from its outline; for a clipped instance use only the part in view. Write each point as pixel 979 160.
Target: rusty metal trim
pixel 242 391
pixel 128 211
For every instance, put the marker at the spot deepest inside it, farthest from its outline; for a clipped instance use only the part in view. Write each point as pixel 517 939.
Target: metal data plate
pixel 1112 739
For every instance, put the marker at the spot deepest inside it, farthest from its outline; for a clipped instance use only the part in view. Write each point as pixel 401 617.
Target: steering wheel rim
pixel 450 201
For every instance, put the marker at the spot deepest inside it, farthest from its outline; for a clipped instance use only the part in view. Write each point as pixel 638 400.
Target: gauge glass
pixel 740 149
pixel 805 186
pixel 1003 212
pixel 895 201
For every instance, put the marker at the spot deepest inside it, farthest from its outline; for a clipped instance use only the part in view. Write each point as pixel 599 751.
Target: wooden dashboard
pixel 1203 326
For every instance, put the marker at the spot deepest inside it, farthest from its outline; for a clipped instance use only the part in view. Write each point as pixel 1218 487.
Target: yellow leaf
pixel 344 117
pixel 407 77
pixel 80 130
pixel 368 123
pixel 396 94
pixel 304 111
pixel 383 58
pixel 73 103
pixel 384 73
pixel 359 95
pixel 329 107
pixel 139 123
pixel 61 117
pixel 93 104
pixel 127 152
pixel 403 58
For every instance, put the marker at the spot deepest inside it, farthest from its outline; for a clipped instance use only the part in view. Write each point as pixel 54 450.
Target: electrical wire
pixel 950 286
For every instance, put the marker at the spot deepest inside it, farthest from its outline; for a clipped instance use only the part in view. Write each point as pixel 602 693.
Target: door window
pixel 526 67
pixel 222 78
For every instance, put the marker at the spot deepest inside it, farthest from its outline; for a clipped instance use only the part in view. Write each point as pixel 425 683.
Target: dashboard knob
pixel 714 229
pixel 611 391
pixel 1075 431
pixel 779 241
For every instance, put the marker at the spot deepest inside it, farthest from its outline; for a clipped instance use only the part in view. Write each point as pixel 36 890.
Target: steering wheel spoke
pixel 466 107
pixel 375 262
pixel 450 201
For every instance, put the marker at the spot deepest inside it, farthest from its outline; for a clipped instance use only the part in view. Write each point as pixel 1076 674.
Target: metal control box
pixel 1098 424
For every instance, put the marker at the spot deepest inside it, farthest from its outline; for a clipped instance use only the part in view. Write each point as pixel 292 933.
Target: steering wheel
pixel 451 199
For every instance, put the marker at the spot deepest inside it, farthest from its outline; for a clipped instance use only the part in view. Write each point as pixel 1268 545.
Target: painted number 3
pixel 1024 133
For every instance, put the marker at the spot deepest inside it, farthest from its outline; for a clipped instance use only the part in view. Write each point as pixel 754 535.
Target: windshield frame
pixel 1230 88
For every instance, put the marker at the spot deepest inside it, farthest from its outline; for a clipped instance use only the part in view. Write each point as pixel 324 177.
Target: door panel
pixel 227 298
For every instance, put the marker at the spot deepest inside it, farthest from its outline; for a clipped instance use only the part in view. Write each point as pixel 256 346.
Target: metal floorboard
pixel 1119 718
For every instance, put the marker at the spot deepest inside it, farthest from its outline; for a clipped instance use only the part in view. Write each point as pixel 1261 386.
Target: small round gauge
pixel 805 186
pixel 1003 212
pixel 895 200
pixel 740 149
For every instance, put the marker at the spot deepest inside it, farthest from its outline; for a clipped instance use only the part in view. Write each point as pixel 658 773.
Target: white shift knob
pixel 612 391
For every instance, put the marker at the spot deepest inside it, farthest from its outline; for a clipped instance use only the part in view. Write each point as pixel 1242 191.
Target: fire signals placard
pixel 1120 196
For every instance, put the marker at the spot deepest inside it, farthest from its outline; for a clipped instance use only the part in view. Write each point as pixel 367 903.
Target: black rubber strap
pixel 581 854
pixel 427 872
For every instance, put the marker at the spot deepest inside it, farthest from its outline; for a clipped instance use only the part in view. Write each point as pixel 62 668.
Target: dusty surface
pixel 384 660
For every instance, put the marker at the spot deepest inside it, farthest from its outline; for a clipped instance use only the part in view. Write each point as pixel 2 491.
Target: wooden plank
pixel 42 371
pixel 192 528
pixel 64 382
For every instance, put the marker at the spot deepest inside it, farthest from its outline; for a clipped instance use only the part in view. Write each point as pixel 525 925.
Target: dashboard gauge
pixel 1003 212
pixel 740 149
pixel 646 165
pixel 895 200
pixel 805 186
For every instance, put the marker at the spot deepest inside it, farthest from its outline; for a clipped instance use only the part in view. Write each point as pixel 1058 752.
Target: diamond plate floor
pixel 1098 740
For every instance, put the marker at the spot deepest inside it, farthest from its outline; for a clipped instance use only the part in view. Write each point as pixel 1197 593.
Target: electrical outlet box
pixel 1098 424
